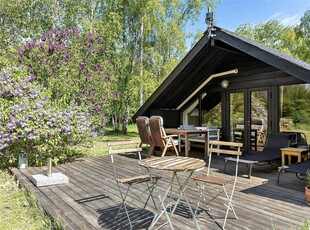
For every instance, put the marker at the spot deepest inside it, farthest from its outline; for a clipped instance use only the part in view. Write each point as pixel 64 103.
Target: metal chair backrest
pixel 123 147
pixel 144 130
pixel 234 152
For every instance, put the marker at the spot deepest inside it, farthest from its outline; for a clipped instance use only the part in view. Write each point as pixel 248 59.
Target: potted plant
pixel 307 189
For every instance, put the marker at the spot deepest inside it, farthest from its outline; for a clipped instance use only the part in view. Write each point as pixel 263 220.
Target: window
pixel 295 109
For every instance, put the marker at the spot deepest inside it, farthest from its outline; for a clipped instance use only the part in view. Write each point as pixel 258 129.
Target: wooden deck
pixel 90 199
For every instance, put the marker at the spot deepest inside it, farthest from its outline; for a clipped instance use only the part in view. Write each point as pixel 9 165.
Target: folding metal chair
pixel 203 179
pixel 126 147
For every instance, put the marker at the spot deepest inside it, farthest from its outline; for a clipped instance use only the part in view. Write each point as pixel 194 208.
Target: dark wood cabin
pixel 248 68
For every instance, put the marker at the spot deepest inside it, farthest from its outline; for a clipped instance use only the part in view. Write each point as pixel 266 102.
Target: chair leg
pixel 151 189
pixel 225 166
pixel 230 206
pixel 201 196
pixel 250 170
pixel 165 150
pixel 175 149
pixel 123 197
pixel 151 151
pixel 180 142
pixel 279 172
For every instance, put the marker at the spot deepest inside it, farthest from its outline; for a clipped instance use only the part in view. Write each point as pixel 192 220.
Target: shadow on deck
pixel 90 200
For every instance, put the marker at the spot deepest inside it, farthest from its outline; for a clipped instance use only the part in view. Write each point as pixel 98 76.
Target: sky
pixel 229 14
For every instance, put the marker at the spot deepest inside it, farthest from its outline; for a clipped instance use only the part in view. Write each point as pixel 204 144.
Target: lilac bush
pixel 73 66
pixel 31 121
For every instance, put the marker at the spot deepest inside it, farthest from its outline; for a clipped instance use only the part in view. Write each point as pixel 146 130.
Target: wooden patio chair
pixel 124 184
pixel 159 137
pixel 203 179
pixel 144 132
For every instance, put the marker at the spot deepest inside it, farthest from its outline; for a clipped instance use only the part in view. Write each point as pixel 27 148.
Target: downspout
pixel 234 71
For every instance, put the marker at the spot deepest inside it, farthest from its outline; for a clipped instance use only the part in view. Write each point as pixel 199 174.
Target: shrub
pixel 74 68
pixel 31 121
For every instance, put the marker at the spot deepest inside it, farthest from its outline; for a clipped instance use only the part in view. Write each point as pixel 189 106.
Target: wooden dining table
pixel 186 133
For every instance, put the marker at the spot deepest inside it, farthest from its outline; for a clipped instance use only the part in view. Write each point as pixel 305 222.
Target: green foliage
pixel 304 32
pixel 213 117
pixel 144 41
pixel 32 121
pixel 294 41
pixel 268 33
pixel 296 103
pixel 237 107
pixel 65 58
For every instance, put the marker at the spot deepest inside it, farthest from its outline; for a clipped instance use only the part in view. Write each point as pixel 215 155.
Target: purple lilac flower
pixel 116 95
pixel 82 65
pixel 51 47
pixel 67 58
pixel 59 47
pixel 20 52
pixel 27 46
pixel 87 75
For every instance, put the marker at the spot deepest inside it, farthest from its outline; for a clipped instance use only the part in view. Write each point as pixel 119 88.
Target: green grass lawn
pixel 99 146
pixel 18 209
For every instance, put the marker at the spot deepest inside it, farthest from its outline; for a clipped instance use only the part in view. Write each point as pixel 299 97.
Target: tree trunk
pixel 126 120
pixel 141 60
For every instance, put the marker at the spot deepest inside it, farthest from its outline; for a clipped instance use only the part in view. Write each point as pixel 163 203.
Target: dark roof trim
pixel 185 61
pixel 284 62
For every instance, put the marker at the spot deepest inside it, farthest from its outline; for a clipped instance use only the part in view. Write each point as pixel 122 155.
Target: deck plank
pixel 91 200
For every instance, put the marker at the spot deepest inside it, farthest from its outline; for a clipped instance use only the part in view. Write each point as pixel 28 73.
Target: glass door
pixel 259 117
pixel 249 118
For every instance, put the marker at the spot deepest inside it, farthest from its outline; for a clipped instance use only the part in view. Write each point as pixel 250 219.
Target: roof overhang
pixel 227 51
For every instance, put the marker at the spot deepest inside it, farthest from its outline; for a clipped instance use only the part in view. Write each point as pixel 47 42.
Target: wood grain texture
pixel 91 200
